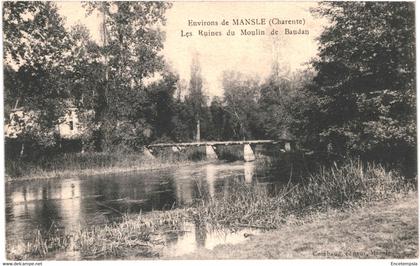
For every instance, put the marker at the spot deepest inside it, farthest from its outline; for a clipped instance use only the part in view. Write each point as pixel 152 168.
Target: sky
pixel 250 55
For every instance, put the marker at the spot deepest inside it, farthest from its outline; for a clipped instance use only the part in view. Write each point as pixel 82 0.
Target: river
pixel 80 202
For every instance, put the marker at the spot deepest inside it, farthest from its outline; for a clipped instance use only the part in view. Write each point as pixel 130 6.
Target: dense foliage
pixel 365 83
pixel 36 47
pixel 358 98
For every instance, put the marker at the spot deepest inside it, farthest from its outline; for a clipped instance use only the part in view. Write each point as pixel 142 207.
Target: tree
pixel 184 121
pixel 283 103
pixel 35 47
pixel 196 98
pixel 86 83
pixel 365 82
pixel 34 34
pixel 220 128
pixel 162 109
pixel 131 43
pixel 241 96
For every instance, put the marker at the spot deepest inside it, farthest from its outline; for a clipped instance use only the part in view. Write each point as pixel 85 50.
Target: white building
pixel 69 126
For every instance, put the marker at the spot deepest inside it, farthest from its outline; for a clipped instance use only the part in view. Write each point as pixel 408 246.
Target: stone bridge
pixel 211 146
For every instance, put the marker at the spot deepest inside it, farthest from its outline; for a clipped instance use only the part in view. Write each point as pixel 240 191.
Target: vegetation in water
pixel 347 185
pixel 246 206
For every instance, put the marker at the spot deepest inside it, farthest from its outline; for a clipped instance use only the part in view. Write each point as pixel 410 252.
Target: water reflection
pixel 249 171
pixel 183 188
pixel 200 234
pixel 70 204
pixel 211 177
pixel 76 202
pixel 196 237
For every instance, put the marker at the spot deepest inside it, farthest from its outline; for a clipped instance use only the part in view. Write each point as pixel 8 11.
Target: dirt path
pixel 386 229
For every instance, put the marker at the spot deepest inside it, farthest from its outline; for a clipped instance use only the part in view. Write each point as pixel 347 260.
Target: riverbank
pixel 147 165
pixel 387 229
pixel 92 164
pixel 68 165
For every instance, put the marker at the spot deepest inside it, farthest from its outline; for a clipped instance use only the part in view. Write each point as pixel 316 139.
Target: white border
pixel 191 262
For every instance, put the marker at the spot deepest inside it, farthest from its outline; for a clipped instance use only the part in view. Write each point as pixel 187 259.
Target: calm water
pixel 79 202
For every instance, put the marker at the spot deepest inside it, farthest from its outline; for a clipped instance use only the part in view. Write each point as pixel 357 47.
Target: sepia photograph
pixel 271 130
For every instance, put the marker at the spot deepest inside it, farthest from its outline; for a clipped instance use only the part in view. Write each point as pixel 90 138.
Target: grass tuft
pixel 339 186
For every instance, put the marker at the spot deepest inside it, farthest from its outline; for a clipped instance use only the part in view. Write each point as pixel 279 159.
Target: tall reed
pixel 339 186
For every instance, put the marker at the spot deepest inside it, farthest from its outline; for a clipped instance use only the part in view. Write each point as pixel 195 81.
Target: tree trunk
pixel 22 149
pixel 198 137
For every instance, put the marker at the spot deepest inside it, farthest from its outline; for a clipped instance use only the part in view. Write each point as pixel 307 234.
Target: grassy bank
pixel 78 164
pixel 91 163
pixel 350 185
pixel 386 229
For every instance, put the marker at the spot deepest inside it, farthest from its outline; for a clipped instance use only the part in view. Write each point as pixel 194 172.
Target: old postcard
pixel 209 130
